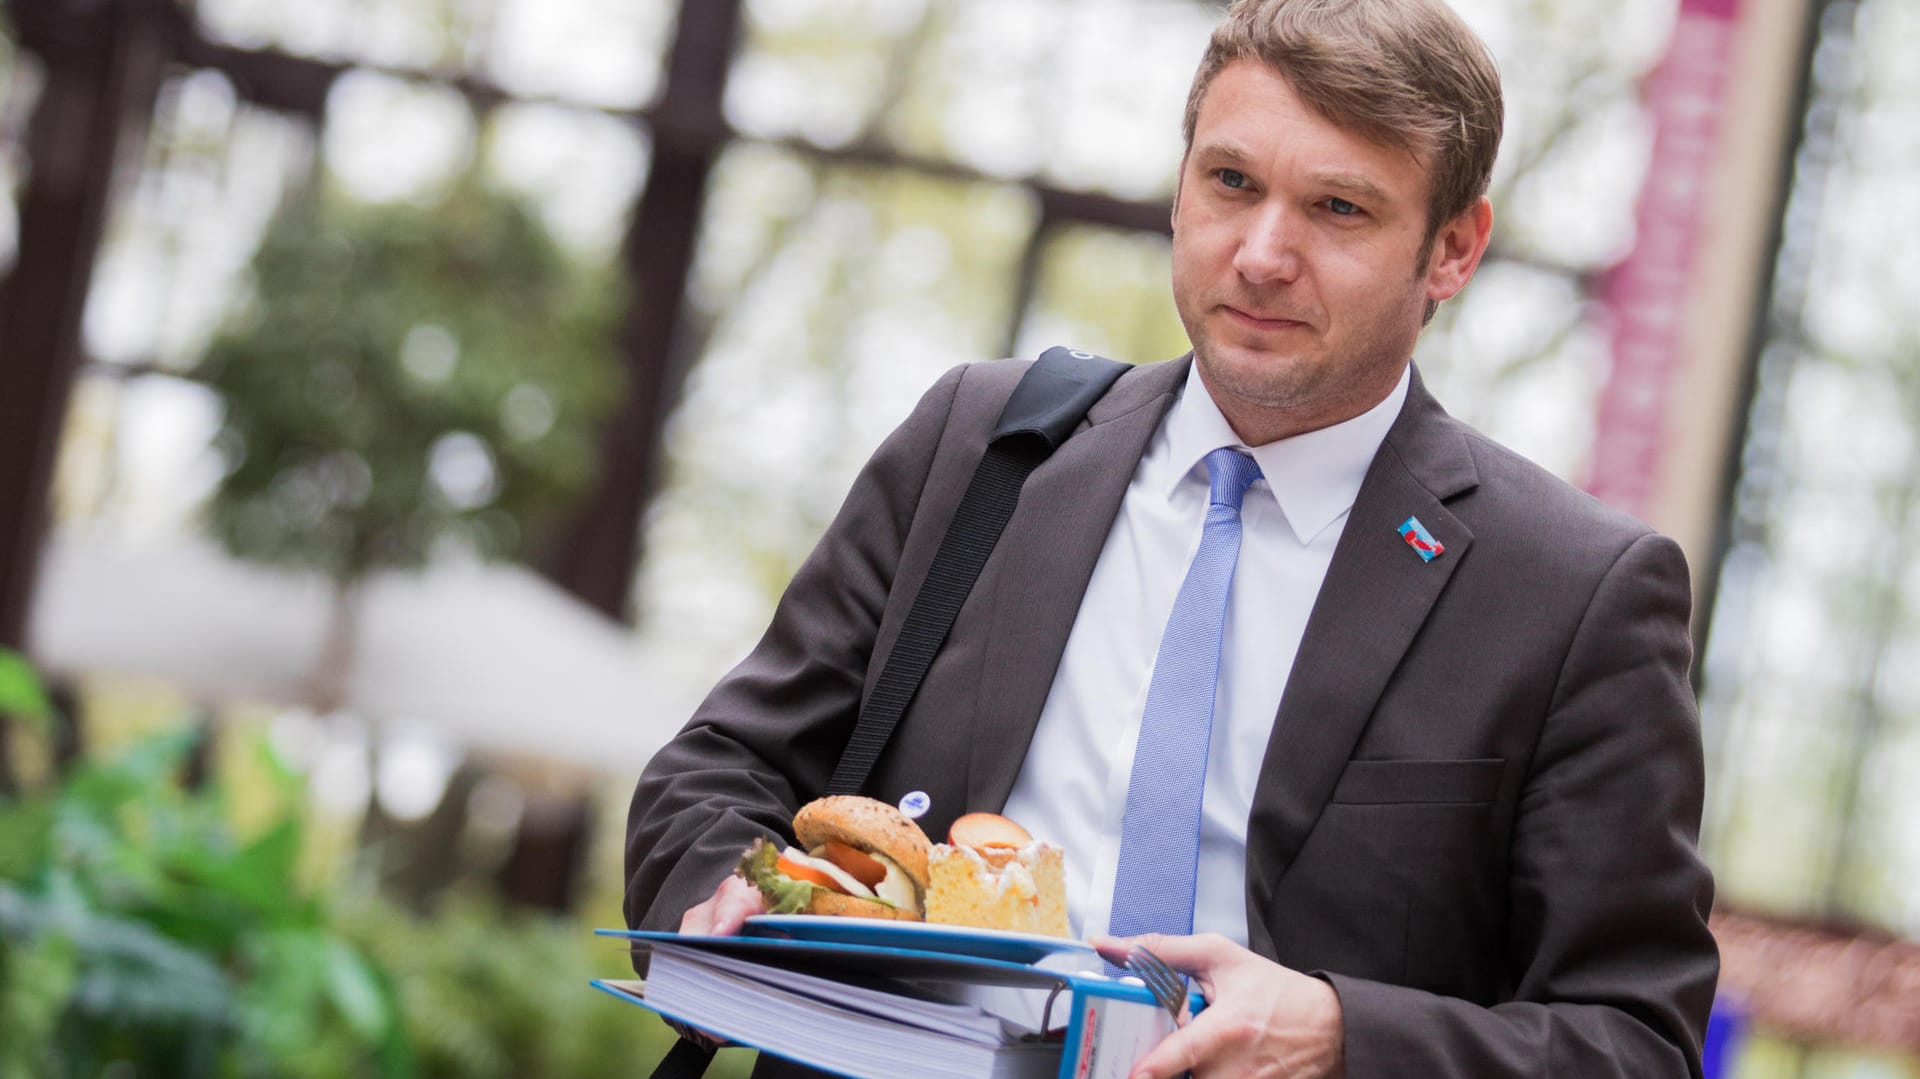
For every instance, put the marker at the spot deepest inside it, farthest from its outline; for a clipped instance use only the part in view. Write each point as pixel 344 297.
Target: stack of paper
pixel 852 1029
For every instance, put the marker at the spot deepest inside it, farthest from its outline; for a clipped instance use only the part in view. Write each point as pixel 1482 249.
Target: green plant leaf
pixel 259 878
pixel 21 694
pixel 26 844
pixel 142 771
pixel 36 977
pixel 133 975
pixel 286 781
pixel 356 991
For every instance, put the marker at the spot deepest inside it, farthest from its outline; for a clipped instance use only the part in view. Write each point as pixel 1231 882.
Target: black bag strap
pixel 1050 401
pixel 688 1059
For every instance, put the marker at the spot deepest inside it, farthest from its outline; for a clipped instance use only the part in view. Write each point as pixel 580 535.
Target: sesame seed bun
pixel 865 824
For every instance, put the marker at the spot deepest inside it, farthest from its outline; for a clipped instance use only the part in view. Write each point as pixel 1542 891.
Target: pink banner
pixel 1646 295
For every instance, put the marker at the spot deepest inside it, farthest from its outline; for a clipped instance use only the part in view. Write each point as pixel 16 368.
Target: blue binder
pixel 1099 1026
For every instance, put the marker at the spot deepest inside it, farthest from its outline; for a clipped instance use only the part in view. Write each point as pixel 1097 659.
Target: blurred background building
pixel 438 394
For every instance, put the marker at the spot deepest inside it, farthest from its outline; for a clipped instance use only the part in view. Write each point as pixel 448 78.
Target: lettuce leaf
pixel 783 894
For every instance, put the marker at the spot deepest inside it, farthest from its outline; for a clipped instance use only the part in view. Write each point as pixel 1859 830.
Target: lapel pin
pixel 1421 540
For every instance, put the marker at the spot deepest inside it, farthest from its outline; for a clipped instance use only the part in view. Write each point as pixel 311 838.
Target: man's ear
pixel 1457 250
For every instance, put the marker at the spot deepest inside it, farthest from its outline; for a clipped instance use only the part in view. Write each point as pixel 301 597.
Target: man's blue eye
pixel 1342 207
pixel 1233 178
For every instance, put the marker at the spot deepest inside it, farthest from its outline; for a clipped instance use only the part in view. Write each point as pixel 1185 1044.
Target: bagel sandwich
pixel 855 857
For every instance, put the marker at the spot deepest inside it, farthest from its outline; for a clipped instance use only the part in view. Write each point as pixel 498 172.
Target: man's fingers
pixel 699 917
pixel 1177 1054
pixel 1190 955
pixel 734 903
pixel 1262 1018
pixel 1178 952
pixel 1112 949
pixel 725 912
pixel 1200 956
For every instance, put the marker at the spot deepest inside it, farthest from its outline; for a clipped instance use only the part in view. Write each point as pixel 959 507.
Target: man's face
pixel 1297 263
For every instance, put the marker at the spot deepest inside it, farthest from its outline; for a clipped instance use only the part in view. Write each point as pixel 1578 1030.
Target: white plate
pixel 919 936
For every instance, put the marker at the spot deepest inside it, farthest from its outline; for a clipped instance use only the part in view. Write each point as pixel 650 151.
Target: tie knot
pixel 1229 474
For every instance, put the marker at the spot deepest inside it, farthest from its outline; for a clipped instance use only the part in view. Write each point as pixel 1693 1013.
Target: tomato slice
pixel 859 865
pixel 807 873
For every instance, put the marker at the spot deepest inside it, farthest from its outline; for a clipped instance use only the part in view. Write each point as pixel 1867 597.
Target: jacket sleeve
pixel 1611 963
pixel 767 737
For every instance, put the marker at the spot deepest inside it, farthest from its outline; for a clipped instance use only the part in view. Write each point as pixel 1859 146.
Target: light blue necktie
pixel 1160 830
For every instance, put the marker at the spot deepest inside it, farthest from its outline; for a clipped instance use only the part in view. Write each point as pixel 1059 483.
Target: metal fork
pixel 1163 981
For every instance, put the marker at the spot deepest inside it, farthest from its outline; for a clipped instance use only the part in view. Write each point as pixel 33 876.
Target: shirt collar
pixel 1313 476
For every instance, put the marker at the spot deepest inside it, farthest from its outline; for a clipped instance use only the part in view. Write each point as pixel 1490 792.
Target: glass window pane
pixel 175 247
pixel 1087 96
pixel 1518 356
pixel 591 52
pixel 1105 291
pixel 837 295
pixel 387 138
pixel 606 53
pixel 1807 700
pixel 581 168
pixel 410 34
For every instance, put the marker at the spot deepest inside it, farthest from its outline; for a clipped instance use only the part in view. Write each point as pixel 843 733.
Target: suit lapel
pixel 1375 598
pixel 1045 558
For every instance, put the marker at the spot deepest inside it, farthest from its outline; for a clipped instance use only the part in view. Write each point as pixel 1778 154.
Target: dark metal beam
pixel 691 120
pixel 270 79
pixel 103 65
pixel 596 557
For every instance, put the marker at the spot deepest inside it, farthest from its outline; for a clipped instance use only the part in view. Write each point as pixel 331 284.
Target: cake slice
pixel 1023 890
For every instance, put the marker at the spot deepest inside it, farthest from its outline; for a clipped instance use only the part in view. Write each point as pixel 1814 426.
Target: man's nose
pixel 1270 248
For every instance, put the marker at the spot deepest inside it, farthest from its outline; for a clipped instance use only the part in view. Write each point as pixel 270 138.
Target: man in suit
pixel 1452 775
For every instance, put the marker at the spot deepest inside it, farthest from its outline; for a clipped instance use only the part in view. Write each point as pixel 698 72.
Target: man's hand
pixel 1261 1019
pixel 725 912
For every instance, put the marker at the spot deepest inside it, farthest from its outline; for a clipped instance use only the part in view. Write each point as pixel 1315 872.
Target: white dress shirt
pixel 1073 788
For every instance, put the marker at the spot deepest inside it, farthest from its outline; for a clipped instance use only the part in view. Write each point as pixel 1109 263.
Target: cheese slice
pixel 897 888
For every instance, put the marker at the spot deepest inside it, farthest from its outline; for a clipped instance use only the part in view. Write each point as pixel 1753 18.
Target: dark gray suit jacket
pixel 1478 810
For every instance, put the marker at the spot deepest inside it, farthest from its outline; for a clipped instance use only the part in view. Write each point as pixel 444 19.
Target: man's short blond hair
pixel 1402 73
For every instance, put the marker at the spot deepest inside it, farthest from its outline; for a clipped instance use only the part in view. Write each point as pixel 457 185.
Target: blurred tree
pixel 405 381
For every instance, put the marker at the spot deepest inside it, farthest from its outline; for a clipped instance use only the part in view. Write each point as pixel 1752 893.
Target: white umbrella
pixel 493 655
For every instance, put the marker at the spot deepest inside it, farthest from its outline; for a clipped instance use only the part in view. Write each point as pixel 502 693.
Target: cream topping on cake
pixel 1001 867
pixel 1021 889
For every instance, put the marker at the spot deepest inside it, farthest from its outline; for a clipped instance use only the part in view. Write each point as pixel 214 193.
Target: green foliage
pixel 404 376
pixel 21 696
pixel 487 996
pixel 136 926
